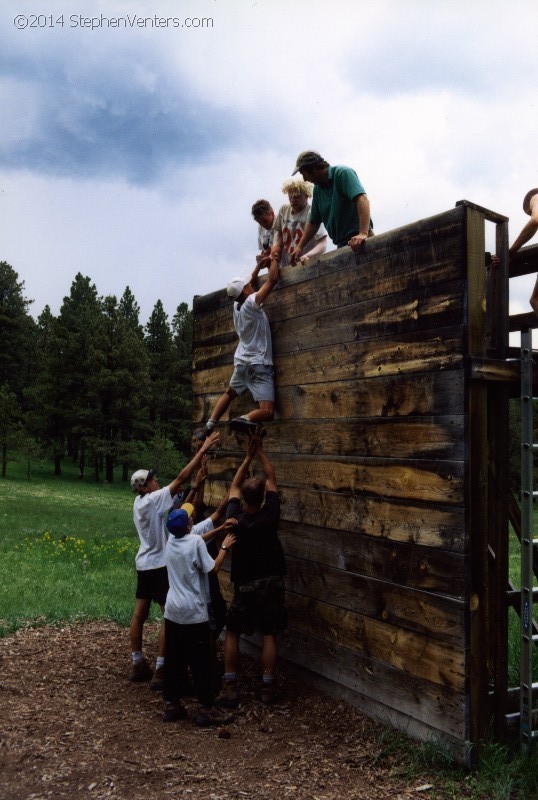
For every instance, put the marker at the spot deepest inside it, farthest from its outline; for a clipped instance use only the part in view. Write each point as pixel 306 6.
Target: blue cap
pixel 177 522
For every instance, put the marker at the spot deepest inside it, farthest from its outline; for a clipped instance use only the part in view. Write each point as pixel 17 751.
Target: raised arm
pixel 268 469
pixel 187 471
pixel 242 472
pixel 270 283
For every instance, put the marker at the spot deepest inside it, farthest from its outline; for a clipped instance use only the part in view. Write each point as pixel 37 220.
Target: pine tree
pixel 118 388
pixel 46 396
pixel 11 430
pixel 160 349
pixel 78 328
pixel 17 330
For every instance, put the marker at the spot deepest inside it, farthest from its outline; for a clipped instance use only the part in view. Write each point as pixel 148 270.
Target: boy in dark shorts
pixel 150 508
pixel 257 572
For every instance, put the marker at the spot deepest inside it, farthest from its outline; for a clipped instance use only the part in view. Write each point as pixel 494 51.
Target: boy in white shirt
pixel 150 508
pixel 187 631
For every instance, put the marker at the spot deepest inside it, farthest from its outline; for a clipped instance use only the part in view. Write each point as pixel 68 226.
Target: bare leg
pixel 140 615
pixel 264 413
pixel 231 652
pixel 269 655
pixel 222 403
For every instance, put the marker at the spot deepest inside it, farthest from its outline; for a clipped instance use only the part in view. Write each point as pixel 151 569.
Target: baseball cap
pixel 178 519
pixel 140 477
pixel 308 158
pixel 236 286
pixel 527 200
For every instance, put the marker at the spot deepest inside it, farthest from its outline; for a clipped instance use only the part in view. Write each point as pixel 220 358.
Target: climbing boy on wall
pixel 253 359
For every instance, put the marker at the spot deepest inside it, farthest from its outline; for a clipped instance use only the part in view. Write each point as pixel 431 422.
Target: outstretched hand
pixel 210 441
pixel 202 473
pixel 253 443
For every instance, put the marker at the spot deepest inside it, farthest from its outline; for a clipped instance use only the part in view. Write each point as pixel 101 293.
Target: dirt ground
pixel 72 726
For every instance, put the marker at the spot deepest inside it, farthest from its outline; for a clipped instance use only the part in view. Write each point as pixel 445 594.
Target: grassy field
pixel 67 550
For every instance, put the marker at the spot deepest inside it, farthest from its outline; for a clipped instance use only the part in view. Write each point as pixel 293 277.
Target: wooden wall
pixel 373 452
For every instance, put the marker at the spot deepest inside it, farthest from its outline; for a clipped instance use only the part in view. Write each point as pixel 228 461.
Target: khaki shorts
pixel 257 378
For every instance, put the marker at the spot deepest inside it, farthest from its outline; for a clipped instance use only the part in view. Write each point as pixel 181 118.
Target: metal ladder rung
pixel 528 716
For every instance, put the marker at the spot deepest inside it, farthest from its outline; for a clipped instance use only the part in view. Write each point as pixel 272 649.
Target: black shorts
pixel 258 605
pixel 152 584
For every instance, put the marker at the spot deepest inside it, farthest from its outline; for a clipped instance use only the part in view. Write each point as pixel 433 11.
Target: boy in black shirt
pixel 257 572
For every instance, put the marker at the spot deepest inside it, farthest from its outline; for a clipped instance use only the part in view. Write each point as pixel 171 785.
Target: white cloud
pixel 145 148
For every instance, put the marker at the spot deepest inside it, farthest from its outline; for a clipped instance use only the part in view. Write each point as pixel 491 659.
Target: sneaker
pixel 141 672
pixel 157 682
pixel 244 425
pixel 213 716
pixel 229 696
pixel 268 693
pixel 202 433
pixel 174 711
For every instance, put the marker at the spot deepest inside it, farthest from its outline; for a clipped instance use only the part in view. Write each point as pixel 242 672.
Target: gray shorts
pixel 257 378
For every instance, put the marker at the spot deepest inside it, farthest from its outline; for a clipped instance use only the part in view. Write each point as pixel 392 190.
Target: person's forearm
pixel 318 249
pixel 527 233
pixel 363 211
pixel 267 467
pixel 241 474
pixel 308 234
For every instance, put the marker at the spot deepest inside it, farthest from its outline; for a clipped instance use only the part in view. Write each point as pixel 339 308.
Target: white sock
pixel 137 656
pixel 160 662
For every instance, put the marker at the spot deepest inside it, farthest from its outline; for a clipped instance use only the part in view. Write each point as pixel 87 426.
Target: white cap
pixel 236 286
pixel 140 477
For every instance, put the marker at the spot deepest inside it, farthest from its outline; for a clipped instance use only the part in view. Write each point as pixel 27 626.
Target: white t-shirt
pixel 290 228
pixel 265 237
pixel 188 563
pixel 252 327
pixel 149 512
pixel 202 527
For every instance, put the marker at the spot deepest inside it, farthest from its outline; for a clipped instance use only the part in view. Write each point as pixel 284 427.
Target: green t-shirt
pixel 334 205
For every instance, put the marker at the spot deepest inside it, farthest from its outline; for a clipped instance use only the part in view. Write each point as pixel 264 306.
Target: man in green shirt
pixel 339 201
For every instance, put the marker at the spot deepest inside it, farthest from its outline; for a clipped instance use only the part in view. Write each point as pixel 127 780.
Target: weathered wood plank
pixel 435 394
pixel 418 611
pixel 421 352
pixel 389 694
pixel 400 563
pixel 432 660
pixel 413 274
pixel 431 526
pixel 429 307
pixel 439 438
pixel 434 482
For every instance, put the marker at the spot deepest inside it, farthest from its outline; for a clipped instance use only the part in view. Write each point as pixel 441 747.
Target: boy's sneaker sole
pixel 242 425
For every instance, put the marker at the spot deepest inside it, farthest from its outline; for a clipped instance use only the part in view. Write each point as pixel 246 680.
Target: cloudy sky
pixel 135 138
